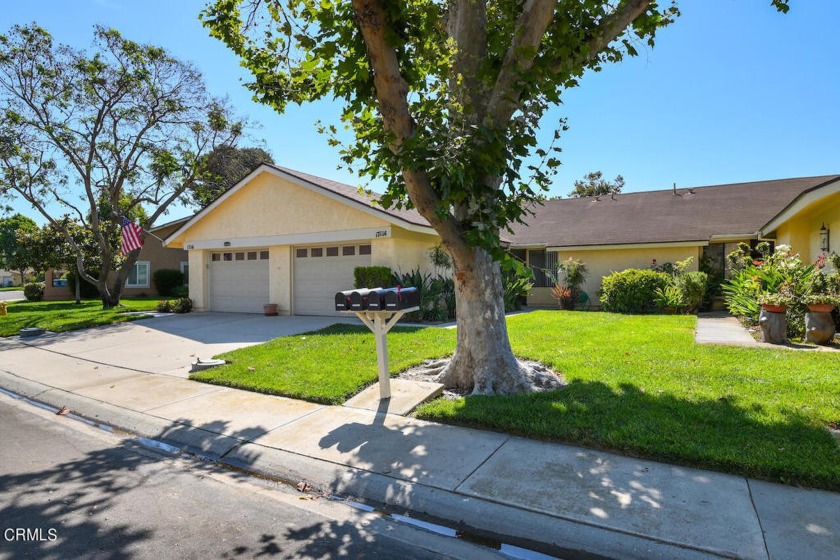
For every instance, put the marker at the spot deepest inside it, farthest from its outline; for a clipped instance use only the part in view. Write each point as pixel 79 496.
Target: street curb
pixel 476 516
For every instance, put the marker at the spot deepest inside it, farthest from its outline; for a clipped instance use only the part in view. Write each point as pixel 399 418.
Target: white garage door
pixel 320 272
pixel 238 281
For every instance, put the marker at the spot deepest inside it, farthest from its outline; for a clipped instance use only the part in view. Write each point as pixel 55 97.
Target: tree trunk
pixel 484 362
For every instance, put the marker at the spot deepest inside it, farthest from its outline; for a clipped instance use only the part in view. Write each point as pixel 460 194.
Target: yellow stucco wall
pixel 199 261
pixel 603 262
pixel 404 251
pixel 270 205
pixel 280 277
pixel 802 232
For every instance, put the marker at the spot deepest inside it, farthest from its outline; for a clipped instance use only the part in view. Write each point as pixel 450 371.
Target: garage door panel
pixel 238 286
pixel 317 279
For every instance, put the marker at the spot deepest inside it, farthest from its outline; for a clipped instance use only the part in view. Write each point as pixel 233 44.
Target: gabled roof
pixel 408 219
pixel 694 214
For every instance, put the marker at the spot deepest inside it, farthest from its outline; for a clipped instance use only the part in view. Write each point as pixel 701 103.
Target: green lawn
pixel 637 385
pixel 60 316
pixel 11 289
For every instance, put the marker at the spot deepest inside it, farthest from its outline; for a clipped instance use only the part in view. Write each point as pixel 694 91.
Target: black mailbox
pixel 404 298
pixel 359 298
pixel 342 301
pixel 376 299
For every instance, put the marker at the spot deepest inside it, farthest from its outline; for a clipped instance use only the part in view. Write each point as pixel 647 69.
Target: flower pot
pixel 770 308
pixel 820 307
pixel 270 309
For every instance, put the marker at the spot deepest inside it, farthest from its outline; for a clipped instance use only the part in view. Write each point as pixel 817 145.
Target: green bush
pixel 166 280
pixel 86 289
pixel 164 306
pixel 693 287
pixel 515 283
pixel 181 292
pixel 180 305
pixel 632 290
pixel 372 277
pixel 34 291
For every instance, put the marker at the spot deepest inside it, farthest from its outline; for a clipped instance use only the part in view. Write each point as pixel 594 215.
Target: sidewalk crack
pixel 758 517
pixel 472 472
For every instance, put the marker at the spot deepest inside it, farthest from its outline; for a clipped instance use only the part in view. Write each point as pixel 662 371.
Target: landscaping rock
pixel 773 327
pixel 819 328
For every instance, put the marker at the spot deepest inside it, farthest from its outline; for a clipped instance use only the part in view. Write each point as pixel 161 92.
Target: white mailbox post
pixel 380 322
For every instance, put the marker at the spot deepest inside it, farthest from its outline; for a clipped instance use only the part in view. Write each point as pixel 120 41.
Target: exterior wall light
pixel 824 246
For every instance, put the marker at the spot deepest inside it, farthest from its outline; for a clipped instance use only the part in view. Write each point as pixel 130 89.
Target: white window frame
pixel 148 273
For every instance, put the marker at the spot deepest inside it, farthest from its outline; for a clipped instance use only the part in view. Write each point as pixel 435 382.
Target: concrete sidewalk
pixel 560 499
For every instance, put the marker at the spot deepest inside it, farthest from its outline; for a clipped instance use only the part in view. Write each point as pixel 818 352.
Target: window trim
pixel 148 265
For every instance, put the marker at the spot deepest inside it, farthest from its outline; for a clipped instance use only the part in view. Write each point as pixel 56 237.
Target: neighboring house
pixel 285 237
pixel 7 278
pixel 612 233
pixel 153 256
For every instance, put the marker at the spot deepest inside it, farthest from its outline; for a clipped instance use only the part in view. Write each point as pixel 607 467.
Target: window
pixel 185 270
pixel 263 255
pixel 348 251
pixel 537 262
pixel 316 252
pixel 228 256
pixel 240 256
pixel 138 276
pixel 332 251
pixel 300 253
pixel 364 249
pixel 216 257
pixel 252 255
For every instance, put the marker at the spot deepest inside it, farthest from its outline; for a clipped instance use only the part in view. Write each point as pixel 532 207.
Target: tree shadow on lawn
pixel 717 434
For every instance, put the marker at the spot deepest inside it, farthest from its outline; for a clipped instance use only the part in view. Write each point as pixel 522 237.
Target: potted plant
pixel 270 309
pixel 775 303
pixel 821 303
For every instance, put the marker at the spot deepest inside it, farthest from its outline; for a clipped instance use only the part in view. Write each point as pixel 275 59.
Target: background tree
pixel 594 184
pixel 444 100
pixel 224 167
pixel 13 256
pixel 102 135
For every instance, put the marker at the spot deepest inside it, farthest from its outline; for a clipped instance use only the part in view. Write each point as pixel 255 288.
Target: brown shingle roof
pixel 411 216
pixel 661 217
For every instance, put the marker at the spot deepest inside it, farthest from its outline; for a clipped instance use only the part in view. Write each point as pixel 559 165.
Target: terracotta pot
pixel 270 309
pixel 821 307
pixel 774 308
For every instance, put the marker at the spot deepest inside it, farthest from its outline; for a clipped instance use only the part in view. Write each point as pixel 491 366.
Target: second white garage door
pixel 320 272
pixel 238 281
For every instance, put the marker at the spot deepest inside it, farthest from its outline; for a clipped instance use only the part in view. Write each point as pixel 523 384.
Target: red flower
pixel 758 263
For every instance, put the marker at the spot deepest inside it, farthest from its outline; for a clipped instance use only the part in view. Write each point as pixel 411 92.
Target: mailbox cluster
pixel 377 299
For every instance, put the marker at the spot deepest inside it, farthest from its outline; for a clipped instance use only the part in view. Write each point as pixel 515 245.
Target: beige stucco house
pixel 286 237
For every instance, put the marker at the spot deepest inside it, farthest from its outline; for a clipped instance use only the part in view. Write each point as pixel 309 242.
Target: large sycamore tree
pixel 444 99
pixel 87 137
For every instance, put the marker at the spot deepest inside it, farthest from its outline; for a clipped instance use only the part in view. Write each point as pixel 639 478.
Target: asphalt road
pixel 68 490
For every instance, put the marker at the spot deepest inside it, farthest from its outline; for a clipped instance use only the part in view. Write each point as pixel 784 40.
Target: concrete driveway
pixel 14 295
pixel 165 345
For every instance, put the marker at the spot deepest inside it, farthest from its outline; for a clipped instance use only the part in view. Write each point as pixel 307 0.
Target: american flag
pixel 131 233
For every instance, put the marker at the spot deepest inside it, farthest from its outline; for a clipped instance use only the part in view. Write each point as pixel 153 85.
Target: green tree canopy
pixel 120 130
pixel 594 184
pixel 224 167
pixel 13 256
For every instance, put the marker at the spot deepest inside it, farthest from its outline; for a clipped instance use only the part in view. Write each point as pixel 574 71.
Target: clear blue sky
pixel 733 91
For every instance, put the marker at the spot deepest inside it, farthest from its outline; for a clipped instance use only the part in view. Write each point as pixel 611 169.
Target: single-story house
pixel 290 238
pixel 9 278
pixel 612 233
pixel 153 256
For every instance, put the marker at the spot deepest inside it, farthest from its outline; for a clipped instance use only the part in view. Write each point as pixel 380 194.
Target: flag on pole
pixel 131 233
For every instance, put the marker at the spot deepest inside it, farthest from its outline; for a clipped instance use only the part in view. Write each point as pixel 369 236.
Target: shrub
pixel 516 282
pixel 181 291
pixel 372 277
pixel 671 298
pixel 86 289
pixel 182 305
pixel 693 287
pixel 34 291
pixel 166 280
pixel 632 290
pixel 164 306
pixel 564 295
pixel 572 273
